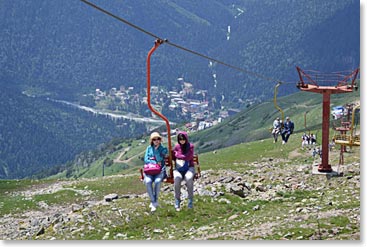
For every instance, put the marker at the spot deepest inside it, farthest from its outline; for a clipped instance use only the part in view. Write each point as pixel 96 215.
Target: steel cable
pixel 181 47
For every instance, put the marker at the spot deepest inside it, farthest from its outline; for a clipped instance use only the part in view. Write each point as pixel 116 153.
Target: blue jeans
pixel 153 191
pixel 286 135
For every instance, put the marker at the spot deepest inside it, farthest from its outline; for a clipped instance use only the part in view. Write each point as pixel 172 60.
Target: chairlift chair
pixel 169 162
pixel 351 139
pixel 276 105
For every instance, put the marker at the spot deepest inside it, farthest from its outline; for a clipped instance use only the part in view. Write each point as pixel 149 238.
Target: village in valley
pixel 182 104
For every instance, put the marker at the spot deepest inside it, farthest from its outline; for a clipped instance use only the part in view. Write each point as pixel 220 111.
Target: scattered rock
pixel 262 183
pixel 111 197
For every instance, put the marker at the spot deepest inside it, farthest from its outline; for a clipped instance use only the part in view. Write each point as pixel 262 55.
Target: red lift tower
pixel 326 84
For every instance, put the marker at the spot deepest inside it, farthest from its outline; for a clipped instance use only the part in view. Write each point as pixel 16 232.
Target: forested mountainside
pixel 38 134
pixel 248 126
pixel 64 49
pixel 67 47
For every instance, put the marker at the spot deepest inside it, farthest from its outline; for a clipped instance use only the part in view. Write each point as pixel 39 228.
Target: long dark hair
pixel 184 147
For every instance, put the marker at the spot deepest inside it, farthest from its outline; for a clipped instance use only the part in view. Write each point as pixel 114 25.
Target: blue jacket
pixel 153 155
pixel 288 127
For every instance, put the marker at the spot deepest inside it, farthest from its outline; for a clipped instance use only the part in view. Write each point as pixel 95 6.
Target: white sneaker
pixel 177 205
pixel 283 142
pixel 153 209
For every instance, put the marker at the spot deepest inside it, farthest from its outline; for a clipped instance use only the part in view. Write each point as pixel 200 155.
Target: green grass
pixel 62 197
pixel 13 201
pixel 107 185
pixel 15 204
pixel 241 154
pixel 10 203
pixel 245 127
pixel 212 218
pixel 304 109
pixel 318 208
pixel 7 186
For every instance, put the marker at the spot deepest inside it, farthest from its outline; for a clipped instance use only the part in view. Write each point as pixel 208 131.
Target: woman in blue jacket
pixel 155 153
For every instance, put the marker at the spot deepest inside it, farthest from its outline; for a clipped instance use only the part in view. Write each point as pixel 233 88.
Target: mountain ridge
pixel 65 49
pixel 250 125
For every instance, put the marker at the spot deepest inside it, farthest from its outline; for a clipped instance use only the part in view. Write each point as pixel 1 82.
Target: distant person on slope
pixel 287 130
pixel 183 153
pixel 305 140
pixel 312 139
pixel 154 154
pixel 277 124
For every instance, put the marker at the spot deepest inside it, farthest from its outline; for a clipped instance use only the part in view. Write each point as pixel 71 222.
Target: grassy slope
pixel 226 217
pixel 211 218
pixel 246 126
pixel 254 123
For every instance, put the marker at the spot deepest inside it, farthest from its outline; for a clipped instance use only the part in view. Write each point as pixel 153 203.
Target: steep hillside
pixel 37 134
pixel 252 191
pixel 252 124
pixel 64 49
pixel 304 109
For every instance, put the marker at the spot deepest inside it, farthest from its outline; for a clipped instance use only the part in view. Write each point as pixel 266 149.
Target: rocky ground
pixel 262 181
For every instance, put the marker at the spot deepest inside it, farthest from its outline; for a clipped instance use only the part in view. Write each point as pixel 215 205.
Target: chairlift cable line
pixel 220 62
pixel 120 19
pixel 178 46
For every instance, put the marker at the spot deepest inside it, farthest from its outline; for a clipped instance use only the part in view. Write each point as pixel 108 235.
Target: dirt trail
pixel 123 152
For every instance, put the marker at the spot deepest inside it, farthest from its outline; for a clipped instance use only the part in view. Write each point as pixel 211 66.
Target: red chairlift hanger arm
pixel 157 43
